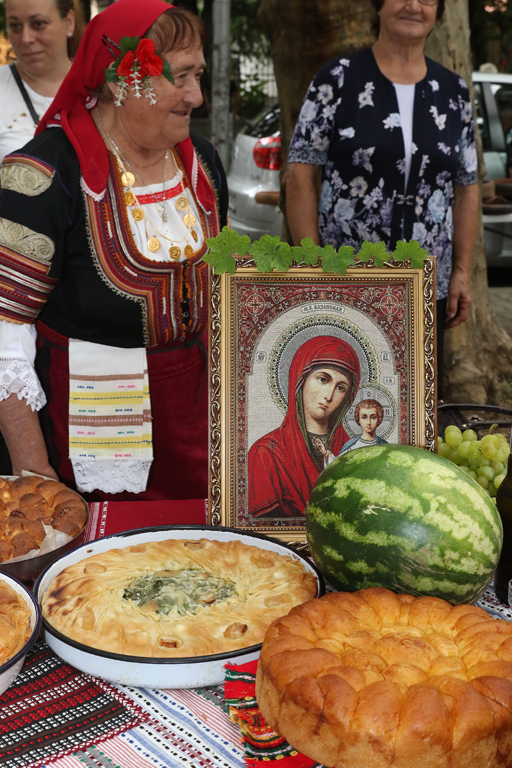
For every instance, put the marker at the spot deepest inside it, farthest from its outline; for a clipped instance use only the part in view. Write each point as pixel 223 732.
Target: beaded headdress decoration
pixel 136 62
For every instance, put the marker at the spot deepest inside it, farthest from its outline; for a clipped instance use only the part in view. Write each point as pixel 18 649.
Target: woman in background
pixel 391 134
pixel 44 35
pixel 284 464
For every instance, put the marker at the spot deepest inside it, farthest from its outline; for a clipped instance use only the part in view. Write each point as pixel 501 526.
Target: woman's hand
pixel 22 433
pixel 465 223
pixel 459 299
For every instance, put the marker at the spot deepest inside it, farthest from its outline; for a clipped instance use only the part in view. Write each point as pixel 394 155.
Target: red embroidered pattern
pixel 165 194
pixel 157 285
pixel 263 746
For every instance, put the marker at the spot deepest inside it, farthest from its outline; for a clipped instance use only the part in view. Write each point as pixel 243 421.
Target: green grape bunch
pixel 485 459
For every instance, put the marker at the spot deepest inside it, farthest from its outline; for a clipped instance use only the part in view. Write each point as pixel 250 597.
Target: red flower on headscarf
pixel 124 68
pixel 149 62
pixel 144 61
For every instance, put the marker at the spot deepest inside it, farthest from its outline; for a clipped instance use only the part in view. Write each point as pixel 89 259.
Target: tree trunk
pixel 303 36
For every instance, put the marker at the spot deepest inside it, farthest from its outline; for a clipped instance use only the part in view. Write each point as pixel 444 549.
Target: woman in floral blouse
pixel 391 132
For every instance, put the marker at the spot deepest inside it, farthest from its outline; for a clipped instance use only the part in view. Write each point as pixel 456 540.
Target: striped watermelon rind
pixel 404 518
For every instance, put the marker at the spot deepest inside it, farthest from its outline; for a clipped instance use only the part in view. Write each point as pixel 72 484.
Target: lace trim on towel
pixel 17 377
pixel 111 475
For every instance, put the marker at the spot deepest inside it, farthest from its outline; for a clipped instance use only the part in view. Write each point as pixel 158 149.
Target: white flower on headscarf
pixel 393 121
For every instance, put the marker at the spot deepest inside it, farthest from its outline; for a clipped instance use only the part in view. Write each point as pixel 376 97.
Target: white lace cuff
pixel 111 475
pixel 18 377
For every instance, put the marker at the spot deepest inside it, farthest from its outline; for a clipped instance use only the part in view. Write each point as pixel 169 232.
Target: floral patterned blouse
pixel 350 125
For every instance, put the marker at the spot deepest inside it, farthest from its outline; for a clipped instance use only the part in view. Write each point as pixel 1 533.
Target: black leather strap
pixel 23 91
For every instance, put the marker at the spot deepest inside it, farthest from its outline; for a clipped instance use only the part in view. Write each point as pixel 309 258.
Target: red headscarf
pixel 282 470
pixel 124 18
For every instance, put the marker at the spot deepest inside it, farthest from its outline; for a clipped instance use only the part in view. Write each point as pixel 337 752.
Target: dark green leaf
pixel 128 44
pixel 166 71
pixel 111 75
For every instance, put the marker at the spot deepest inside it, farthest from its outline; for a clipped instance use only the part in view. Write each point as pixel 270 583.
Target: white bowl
pixel 11 669
pixel 191 672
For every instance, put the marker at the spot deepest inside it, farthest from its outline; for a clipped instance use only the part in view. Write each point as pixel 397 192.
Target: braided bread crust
pixel 30 502
pixel 383 680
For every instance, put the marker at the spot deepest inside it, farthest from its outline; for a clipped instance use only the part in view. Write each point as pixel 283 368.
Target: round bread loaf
pixel 29 502
pixel 14 622
pixel 378 680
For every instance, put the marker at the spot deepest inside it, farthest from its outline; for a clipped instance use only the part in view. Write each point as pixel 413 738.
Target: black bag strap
pixel 23 91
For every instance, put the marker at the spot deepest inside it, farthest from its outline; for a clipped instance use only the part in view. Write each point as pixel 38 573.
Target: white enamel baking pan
pixel 144 672
pixel 11 669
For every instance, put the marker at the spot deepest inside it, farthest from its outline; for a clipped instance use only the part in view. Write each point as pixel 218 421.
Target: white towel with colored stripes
pixel 110 436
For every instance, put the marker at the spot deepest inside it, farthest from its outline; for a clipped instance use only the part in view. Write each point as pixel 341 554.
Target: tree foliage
pixel 490 22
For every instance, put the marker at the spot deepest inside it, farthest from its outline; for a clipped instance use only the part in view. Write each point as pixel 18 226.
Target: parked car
pixel 493 102
pixel 254 172
pixel 256 163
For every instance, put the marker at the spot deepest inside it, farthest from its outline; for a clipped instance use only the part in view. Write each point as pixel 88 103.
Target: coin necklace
pixel 153 243
pixel 131 200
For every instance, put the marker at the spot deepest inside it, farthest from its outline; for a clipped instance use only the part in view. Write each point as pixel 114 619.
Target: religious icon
pixel 305 365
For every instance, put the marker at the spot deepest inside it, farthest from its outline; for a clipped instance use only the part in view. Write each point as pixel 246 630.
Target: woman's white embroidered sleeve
pixel 17 357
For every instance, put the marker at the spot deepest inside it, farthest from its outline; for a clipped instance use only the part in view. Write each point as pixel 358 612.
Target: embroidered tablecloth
pixel 51 709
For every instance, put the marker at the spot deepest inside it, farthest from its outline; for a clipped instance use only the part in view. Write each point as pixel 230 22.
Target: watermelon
pixel 404 518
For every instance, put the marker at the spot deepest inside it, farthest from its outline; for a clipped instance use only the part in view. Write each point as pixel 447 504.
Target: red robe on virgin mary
pixel 282 465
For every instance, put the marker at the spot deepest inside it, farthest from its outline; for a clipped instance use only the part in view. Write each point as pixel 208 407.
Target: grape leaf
pixel 284 257
pixel 271 253
pixel 410 250
pixel 307 252
pixel 331 262
pixel 346 255
pixel 375 251
pixel 224 248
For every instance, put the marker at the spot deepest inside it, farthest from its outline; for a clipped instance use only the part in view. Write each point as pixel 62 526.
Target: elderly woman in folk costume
pixel 104 217
pixel 284 464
